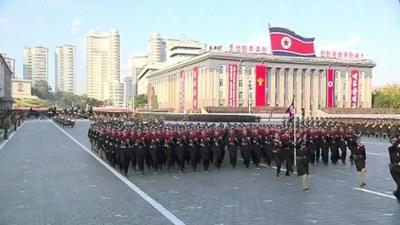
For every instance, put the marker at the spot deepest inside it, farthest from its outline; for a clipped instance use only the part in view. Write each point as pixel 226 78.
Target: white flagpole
pixel 294 130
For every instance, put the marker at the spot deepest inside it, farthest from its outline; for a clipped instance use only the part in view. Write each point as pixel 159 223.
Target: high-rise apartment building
pixel 138 62
pixel 103 65
pixel 128 90
pixel 35 64
pixel 65 68
pixel 157 51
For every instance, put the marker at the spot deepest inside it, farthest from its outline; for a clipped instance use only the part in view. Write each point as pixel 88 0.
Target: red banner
pixel 232 87
pixel 260 85
pixel 195 88
pixel 354 88
pixel 330 88
pixel 182 91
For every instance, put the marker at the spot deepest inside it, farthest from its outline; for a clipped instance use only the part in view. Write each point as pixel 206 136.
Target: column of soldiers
pixel 188 145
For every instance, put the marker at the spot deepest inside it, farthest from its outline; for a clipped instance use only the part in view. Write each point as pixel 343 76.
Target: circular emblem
pixel 330 84
pixel 286 42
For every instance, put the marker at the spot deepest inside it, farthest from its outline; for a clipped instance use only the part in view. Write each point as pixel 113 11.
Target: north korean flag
pixel 287 43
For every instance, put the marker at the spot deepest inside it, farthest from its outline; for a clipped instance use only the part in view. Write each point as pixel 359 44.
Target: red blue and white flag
pixel 287 43
pixel 291 112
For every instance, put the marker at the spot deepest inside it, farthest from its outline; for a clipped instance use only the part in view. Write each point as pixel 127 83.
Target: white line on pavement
pixel 374 192
pixel 171 217
pixel 9 138
pixel 376 143
pixel 374 153
pixel 339 171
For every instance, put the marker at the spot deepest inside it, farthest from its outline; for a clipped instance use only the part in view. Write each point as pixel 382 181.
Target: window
pixel 240 83
pixel 221 94
pixel 240 94
pixel 241 70
pixel 221 82
pixel 221 69
pixel 312 78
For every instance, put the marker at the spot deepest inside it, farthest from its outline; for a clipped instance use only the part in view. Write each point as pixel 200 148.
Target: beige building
pixel 65 68
pixel 103 65
pixel 35 64
pixel 181 49
pixel 217 78
pixel 156 49
pixel 5 85
pixel 138 62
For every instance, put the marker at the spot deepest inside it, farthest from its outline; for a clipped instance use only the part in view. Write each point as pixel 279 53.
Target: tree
pixel 67 100
pixel 388 97
pixel 42 90
pixel 140 101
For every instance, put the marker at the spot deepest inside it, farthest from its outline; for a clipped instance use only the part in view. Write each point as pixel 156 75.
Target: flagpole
pixel 294 130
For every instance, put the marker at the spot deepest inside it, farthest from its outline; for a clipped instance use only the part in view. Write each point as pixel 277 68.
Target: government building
pixel 236 79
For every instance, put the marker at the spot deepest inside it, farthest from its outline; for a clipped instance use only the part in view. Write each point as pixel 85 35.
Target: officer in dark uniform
pixel 359 159
pixel 277 153
pixel 302 160
pixel 245 151
pixel 232 149
pixel 205 153
pixel 394 166
pixel 325 137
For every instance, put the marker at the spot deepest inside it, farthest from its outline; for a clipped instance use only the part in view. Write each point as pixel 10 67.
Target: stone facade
pixel 304 78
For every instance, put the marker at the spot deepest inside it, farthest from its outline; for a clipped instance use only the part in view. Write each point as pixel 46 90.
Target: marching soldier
pixel 276 153
pixel 359 159
pixel 302 160
pixel 394 165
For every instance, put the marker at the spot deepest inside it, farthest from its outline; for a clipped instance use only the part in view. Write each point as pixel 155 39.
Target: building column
pixel 298 91
pixel 314 101
pixel 339 86
pixel 272 90
pixel 307 92
pixel 369 90
pixel 281 99
pixel 323 88
pixel 290 86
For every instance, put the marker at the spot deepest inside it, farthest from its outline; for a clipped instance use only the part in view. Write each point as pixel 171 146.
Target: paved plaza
pixel 49 176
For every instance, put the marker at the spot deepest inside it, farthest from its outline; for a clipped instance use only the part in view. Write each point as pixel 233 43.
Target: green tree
pixel 140 101
pixel 42 90
pixel 388 97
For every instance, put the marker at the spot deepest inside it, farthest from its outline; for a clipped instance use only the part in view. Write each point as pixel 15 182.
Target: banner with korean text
pixel 354 88
pixel 260 85
pixel 330 88
pixel 232 84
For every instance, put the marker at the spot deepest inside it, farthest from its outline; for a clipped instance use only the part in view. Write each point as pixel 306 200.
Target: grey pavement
pixel 46 178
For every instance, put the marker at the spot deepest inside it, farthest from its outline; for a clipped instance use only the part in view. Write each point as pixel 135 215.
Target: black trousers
pixel 232 155
pixel 395 172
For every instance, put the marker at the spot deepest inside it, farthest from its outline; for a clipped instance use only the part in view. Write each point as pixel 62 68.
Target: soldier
pixel 232 149
pixel 140 153
pixel 245 151
pixel 302 160
pixel 342 145
pixel 205 153
pixel 216 144
pixel 180 152
pixel 394 165
pixel 194 152
pixel 359 159
pixel 276 153
pixel 334 146
pixel 325 137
